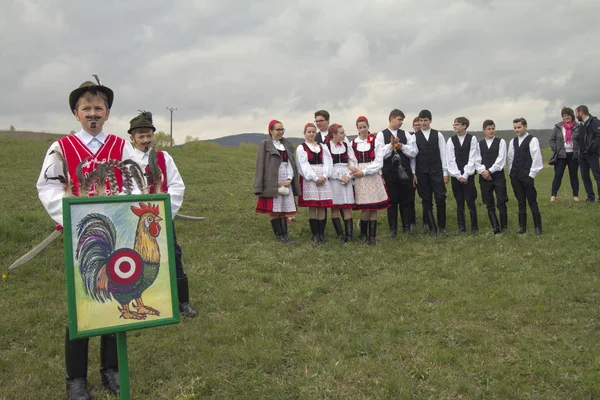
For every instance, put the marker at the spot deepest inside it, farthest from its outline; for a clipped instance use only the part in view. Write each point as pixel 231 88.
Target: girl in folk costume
pixel 341 181
pixel 276 180
pixel 369 190
pixel 315 167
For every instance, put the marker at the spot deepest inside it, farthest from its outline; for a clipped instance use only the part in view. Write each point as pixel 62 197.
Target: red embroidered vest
pixel 160 160
pixel 74 151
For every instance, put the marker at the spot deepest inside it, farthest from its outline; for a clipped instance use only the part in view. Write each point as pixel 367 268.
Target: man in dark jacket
pixel 589 149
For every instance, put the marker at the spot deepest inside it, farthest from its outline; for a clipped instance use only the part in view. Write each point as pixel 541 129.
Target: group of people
pixel 87 149
pixel 385 170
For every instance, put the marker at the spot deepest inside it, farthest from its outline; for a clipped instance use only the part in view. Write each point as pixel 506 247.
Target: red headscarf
pixel 309 124
pixel 362 118
pixel 273 122
pixel 333 130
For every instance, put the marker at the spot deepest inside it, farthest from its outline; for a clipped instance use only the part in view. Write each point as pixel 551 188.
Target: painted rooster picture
pixel 116 273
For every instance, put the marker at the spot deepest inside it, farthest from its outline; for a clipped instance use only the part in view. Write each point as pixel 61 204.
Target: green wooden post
pixel 123 366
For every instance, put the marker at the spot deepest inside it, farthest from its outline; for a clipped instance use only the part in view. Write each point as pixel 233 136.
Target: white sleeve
pixel 442 146
pixel 175 186
pixel 537 163
pixel 410 148
pixel 511 154
pixel 473 155
pixel 304 168
pixel 51 191
pixel 327 161
pixel 413 165
pixel 479 167
pixel 453 170
pixel 290 170
pixel 375 166
pixel 351 156
pixel 501 159
pixel 387 148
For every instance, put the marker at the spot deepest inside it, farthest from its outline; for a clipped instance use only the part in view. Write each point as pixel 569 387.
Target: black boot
pixel 392 214
pixel 364 226
pixel 373 232
pixel 349 225
pixel 522 223
pixel 284 230
pixel 494 222
pixel 460 217
pixel 277 229
pixel 405 218
pixel 503 221
pixel 109 363
pixel 337 225
pixel 425 216
pixel 431 222
pixel 537 223
pixel 183 292
pixel 321 224
pixel 441 215
pixel 76 361
pixel 314 229
pixel 413 217
pixel 474 223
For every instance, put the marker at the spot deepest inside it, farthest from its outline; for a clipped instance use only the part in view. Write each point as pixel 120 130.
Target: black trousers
pixel 587 162
pixel 76 355
pixel 525 192
pixel 498 186
pixel 401 194
pixel 559 171
pixel 178 255
pixel 429 185
pixel 464 193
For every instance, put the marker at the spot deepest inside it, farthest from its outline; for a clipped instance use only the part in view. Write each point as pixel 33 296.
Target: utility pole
pixel 171 132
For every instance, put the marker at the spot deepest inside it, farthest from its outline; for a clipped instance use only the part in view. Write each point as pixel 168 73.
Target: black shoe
pixel 589 200
pixel 77 389
pixel 474 231
pixel 537 230
pixel 393 233
pixel 187 310
pixel 276 224
pixel 364 227
pixel 349 226
pixel 337 225
pixel 522 224
pixel 372 233
pixel 442 231
pixel 110 380
pixel 521 230
pixel 284 230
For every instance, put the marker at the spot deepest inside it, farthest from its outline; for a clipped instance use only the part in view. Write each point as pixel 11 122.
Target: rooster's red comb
pixel 145 208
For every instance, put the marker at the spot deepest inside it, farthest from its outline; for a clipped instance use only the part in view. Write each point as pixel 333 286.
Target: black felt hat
pixel 92 87
pixel 144 120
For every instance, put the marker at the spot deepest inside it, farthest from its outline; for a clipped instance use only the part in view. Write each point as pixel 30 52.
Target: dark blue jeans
pixel 587 162
pixel 559 171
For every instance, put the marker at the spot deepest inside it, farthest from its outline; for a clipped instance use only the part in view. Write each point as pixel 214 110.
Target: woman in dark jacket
pixel 563 141
pixel 276 180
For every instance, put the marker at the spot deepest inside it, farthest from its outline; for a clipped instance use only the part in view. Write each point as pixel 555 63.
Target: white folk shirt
pixel 442 146
pixel 175 186
pixel 50 191
pixel 500 160
pixel 409 149
pixel 290 170
pixel 305 169
pixel 536 156
pixel 469 168
pixel 375 166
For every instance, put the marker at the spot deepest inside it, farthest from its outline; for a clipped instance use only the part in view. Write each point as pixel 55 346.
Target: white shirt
pixel 500 160
pixel 305 168
pixel 536 156
pixel 51 191
pixel 469 168
pixel 375 166
pixel 175 186
pixel 442 146
pixel 409 149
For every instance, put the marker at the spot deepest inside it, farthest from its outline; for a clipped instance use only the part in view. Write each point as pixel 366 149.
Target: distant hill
pixel 30 135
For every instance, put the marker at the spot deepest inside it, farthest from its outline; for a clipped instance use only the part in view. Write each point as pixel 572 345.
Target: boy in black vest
pixel 490 165
pixel 431 171
pixel 398 150
pixel 462 151
pixel 416 125
pixel 322 122
pixel 524 162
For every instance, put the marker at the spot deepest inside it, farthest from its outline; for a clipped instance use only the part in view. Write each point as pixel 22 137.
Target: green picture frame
pixel 119 264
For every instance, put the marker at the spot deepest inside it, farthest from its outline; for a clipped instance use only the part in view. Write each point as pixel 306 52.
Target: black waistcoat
pixel 428 159
pixel 461 153
pixel 522 158
pixel 404 159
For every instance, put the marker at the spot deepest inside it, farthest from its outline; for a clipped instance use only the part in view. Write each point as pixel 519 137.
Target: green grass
pixel 456 317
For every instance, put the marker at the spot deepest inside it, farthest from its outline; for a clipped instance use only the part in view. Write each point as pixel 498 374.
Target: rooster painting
pixel 122 274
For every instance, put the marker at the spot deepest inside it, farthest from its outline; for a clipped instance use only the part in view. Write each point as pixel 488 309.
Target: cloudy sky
pixel 230 66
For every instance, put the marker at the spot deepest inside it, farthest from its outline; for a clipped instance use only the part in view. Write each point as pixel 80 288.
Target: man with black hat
pixel 90 103
pixel 165 179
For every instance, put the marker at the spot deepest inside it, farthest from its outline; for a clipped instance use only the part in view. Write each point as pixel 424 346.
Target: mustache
pixel 92 118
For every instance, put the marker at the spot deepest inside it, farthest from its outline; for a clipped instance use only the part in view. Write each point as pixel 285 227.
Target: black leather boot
pixel 537 223
pixel 277 229
pixel 109 363
pixel 405 218
pixel 373 232
pixel 474 223
pixel 76 361
pixel 460 217
pixel 522 223
pixel 431 222
pixel 337 225
pixel 284 230
pixel 441 214
pixel 321 223
pixel 183 292
pixel 425 216
pixel 314 229
pixel 392 215
pixel 364 227
pixel 503 221
pixel 494 222
pixel 349 225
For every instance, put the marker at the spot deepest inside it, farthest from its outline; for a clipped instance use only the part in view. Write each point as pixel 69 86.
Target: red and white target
pixel 125 266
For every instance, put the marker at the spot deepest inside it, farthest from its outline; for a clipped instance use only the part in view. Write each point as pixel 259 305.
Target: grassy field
pixel 456 317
